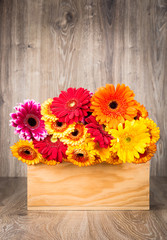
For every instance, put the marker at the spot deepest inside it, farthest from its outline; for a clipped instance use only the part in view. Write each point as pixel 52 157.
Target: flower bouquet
pixel 85 128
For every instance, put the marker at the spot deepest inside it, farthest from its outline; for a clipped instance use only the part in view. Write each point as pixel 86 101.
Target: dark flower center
pixel 59 124
pixel 75 133
pixel 138 115
pixel 142 155
pixel 128 139
pixel 80 155
pixel 88 114
pixel 27 152
pixel 32 122
pixel 113 104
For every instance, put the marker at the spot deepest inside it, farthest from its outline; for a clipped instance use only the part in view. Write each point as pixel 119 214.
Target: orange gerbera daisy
pixel 114 159
pixel 141 111
pixel 147 155
pixel 76 136
pixel 113 106
pixel 83 154
pixel 59 129
pixel 25 151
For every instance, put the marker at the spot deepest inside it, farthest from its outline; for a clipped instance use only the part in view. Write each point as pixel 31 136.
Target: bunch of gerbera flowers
pixel 85 128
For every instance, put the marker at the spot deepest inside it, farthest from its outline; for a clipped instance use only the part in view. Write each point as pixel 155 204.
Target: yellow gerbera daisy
pixel 103 153
pixel 25 151
pixel 154 131
pixel 46 112
pixel 76 136
pixel 114 159
pixel 130 140
pixel 82 155
pixel 59 129
pixel 147 155
pixel 49 162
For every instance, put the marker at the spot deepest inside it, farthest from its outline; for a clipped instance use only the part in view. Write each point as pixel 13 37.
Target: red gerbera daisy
pixel 51 149
pixel 97 132
pixel 71 106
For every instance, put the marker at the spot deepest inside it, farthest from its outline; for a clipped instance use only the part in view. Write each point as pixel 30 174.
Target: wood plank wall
pixel 49 45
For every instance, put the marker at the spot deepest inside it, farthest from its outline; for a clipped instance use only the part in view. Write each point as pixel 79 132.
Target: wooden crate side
pixel 99 187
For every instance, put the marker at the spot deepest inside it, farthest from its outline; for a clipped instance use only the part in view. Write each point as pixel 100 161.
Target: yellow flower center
pixel 53 139
pixel 72 104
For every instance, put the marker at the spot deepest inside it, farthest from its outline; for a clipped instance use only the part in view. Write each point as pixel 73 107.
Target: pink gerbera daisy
pixel 51 148
pixel 27 121
pixel 71 106
pixel 97 132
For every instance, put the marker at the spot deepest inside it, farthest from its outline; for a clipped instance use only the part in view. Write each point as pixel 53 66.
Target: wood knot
pixel 69 17
pixel 29 46
pixel 66 19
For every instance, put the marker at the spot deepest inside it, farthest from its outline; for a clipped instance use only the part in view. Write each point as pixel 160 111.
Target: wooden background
pixel 49 45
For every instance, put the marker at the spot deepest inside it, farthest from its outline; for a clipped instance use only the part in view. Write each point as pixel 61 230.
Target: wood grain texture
pixel 18 223
pixel 47 46
pixel 99 187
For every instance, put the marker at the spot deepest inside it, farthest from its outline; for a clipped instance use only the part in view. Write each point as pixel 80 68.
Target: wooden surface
pixel 49 45
pixel 98 187
pixel 18 223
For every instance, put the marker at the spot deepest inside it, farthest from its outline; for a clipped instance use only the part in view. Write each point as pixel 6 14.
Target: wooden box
pixel 99 187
